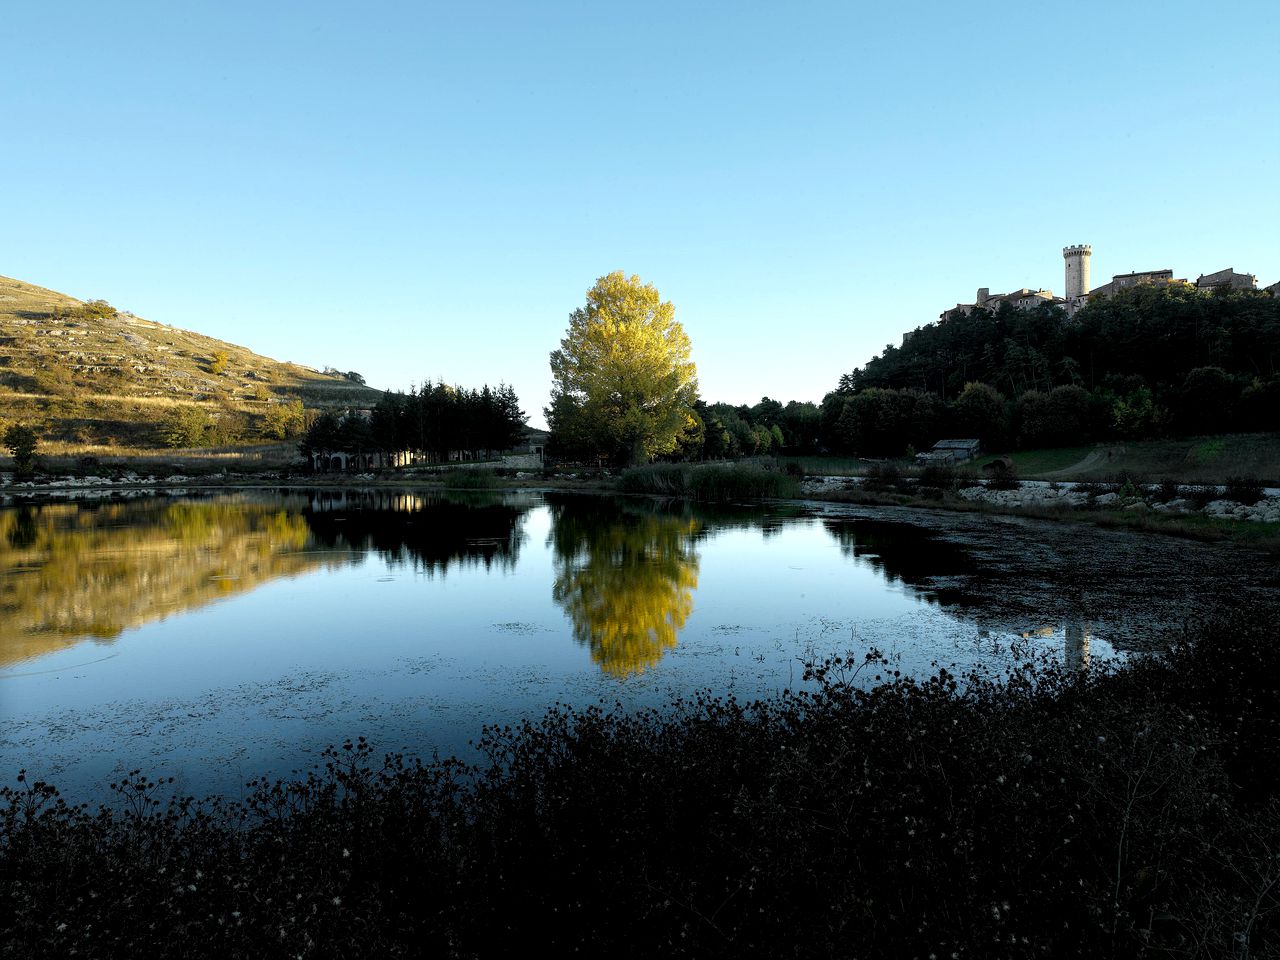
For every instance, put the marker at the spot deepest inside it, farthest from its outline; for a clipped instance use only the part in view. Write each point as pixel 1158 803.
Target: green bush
pixel 185 426
pixel 1125 484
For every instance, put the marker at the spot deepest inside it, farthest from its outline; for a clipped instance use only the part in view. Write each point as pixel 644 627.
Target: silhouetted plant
pixel 1127 812
pixel 1201 494
pixel 883 476
pixel 1003 476
pixel 1246 490
pixel 941 476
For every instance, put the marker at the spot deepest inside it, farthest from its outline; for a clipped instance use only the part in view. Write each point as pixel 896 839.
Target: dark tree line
pixel 1149 361
pixel 432 422
pixel 724 431
pixel 767 427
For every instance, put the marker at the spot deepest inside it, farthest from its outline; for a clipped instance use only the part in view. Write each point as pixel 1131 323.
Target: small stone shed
pixel 951 451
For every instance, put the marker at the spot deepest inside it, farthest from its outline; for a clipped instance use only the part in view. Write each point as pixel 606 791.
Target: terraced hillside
pixel 88 374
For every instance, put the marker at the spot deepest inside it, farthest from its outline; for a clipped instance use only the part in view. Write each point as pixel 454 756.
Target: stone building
pixel 1079 292
pixel 1024 299
pixel 1141 278
pixel 1227 279
pixel 951 451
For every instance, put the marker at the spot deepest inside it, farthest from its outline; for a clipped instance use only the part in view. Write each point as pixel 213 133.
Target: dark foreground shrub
pixel 1091 488
pixel 1201 494
pixel 883 476
pixel 1246 490
pixel 938 476
pixel 1056 813
pixel 1167 490
pixel 1003 476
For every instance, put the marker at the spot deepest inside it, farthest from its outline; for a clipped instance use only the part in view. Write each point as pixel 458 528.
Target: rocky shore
pixel 1214 502
pixel 1210 501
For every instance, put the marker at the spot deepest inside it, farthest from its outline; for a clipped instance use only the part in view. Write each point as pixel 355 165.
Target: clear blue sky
pixel 426 190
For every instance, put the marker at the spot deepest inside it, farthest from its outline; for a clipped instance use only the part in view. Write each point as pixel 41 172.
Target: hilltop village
pixel 1079 291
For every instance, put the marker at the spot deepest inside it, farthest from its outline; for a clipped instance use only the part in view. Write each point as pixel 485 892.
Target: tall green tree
pixel 22 442
pixel 623 384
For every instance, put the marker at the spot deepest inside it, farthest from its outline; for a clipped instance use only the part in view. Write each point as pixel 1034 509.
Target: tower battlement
pixel 1077 258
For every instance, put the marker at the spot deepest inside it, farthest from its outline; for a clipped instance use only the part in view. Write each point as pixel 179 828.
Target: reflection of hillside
pixel 430 530
pixel 73 571
pixel 903 553
pixel 625 578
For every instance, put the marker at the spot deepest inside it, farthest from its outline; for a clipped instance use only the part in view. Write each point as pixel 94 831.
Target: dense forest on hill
pixel 1149 361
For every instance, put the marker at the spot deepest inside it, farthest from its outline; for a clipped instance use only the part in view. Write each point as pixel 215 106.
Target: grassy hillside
pixel 1185 459
pixel 86 374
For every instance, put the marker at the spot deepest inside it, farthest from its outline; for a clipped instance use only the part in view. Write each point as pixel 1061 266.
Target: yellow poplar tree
pixel 624 385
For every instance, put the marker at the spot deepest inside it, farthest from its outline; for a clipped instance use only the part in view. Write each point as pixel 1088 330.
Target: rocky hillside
pixel 86 373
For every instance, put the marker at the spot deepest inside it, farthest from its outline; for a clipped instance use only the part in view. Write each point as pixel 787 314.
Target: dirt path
pixel 1095 458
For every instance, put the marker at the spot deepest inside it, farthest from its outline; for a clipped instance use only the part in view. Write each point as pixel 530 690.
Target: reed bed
pixel 718 483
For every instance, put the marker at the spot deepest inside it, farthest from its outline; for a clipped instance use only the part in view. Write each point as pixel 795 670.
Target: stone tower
pixel 1077 258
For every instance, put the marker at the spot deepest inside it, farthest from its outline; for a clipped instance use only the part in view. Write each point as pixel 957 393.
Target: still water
pixel 216 638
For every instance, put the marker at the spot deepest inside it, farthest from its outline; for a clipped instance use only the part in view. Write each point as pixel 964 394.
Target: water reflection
pixel 625 576
pixel 89 570
pixel 624 572
pixel 428 530
pixel 903 553
pixel 1076 652
pixel 92 570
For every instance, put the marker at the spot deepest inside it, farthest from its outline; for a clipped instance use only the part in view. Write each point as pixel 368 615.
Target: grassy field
pixel 1034 463
pixel 1187 460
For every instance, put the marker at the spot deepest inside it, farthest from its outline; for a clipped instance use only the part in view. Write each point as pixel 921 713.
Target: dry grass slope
pixel 110 378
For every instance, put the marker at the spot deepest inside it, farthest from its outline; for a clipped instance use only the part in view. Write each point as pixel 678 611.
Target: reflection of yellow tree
pixel 627 582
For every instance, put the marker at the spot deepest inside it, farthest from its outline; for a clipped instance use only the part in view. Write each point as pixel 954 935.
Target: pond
pixel 218 637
